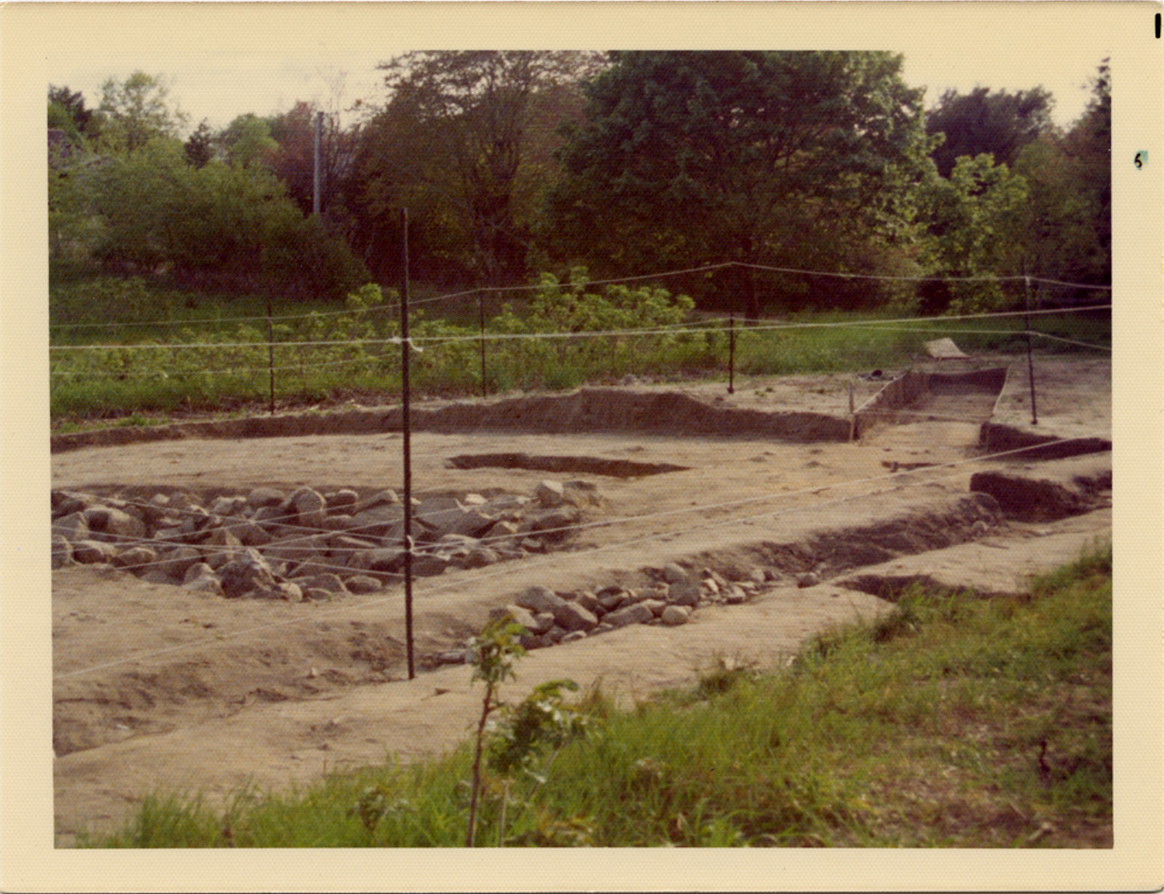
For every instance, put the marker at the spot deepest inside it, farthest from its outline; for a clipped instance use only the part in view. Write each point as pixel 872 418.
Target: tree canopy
pixel 982 121
pixel 136 111
pixel 702 157
pixel 460 140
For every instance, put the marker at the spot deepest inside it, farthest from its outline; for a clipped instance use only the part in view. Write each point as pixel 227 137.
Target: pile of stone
pixel 306 544
pixel 670 599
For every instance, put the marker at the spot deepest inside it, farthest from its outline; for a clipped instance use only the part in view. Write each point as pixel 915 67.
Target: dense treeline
pixel 512 163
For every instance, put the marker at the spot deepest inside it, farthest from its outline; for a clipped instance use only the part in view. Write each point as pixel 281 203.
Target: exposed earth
pixel 157 686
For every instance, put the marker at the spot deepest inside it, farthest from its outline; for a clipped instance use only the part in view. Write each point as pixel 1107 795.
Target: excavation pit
pixel 587 465
pixel 919 396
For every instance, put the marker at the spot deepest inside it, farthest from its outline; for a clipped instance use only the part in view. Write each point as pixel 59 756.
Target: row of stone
pixel 550 618
pixel 308 533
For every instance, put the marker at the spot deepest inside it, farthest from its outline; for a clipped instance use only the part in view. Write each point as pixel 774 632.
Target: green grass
pixel 216 355
pixel 952 722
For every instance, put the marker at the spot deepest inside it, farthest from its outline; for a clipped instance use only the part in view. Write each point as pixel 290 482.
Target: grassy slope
pixel 953 722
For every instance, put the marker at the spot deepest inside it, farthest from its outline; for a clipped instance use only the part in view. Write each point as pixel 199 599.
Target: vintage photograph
pixel 567 445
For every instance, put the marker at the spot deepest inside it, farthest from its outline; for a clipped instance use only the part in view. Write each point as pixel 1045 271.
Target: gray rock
pixel 376 520
pixel 736 596
pixel 62 552
pixel 579 491
pixel 380 559
pixel 573 637
pixel 332 583
pixel 318 594
pixel 310 507
pixel 247 573
pixel 550 493
pixel 383 497
pixel 673 574
pixel 808 579
pixel 247 531
pixel 178 561
pixel 360 584
pixel 69 502
pixel 552 523
pixel 540 599
pixel 675 615
pixel 204 584
pixel 571 616
pixel 304 548
pixel 480 557
pixel 611 598
pixel 588 601
pixel 656 606
pixel 274 521
pixel 93 552
pixel 134 557
pixel 268 497
pixel 282 590
pixel 197 570
pixel 465 522
pixel 686 592
pixel 341 502
pixel 113 525
pixel 72 527
pixel 632 614
pixel 524 617
pixel 220 547
pixel 342 547
pixel 227 506
pixel 429 565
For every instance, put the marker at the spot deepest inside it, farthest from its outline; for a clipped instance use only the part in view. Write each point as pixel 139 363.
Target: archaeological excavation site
pixel 228 596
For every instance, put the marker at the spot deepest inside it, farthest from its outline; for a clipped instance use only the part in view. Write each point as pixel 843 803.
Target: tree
pixel 692 158
pixel 1000 124
pixel 975 219
pixel 454 141
pixel 247 141
pixel 218 225
pixel 1066 232
pixel 67 112
pixel 137 110
pixel 200 146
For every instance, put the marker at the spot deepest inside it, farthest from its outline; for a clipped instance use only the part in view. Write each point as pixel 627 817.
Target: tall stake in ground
pixel 1027 326
pixel 406 431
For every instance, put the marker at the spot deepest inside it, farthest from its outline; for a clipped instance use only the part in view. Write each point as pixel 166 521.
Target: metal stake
pixel 481 321
pixel 731 355
pixel 1030 362
pixel 271 354
pixel 406 431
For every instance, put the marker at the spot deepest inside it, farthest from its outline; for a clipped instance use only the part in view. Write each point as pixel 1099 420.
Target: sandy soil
pixel 156 687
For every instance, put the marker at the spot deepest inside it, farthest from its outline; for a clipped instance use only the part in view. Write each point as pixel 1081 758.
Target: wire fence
pixel 359 347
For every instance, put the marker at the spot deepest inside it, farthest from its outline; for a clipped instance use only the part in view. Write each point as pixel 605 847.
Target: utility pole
pixel 318 130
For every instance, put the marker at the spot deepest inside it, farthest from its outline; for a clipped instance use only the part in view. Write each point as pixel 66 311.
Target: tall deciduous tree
pixel 67 112
pixel 1000 124
pixel 136 111
pixel 454 140
pixel 975 223
pixel 701 157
